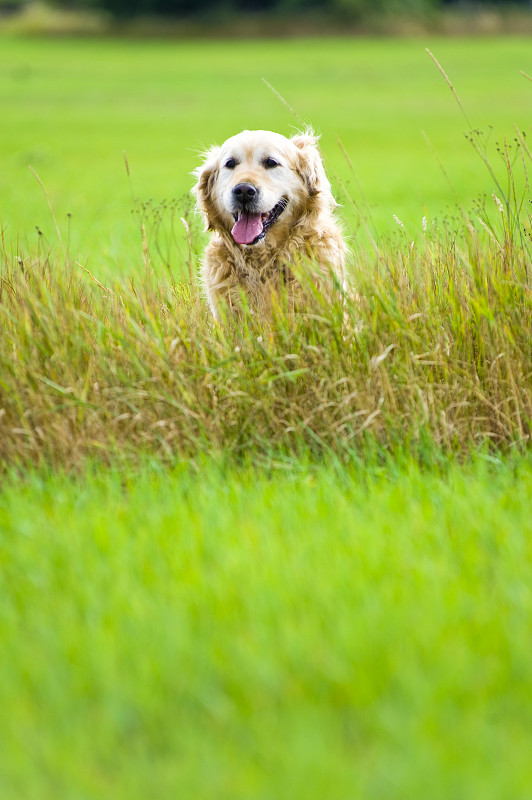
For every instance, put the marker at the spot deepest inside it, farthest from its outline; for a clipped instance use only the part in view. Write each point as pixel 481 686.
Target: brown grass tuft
pixel 436 352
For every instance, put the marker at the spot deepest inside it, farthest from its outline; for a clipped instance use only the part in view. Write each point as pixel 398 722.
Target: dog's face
pixel 258 184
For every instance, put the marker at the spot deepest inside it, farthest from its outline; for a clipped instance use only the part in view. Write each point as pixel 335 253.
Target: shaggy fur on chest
pixel 235 275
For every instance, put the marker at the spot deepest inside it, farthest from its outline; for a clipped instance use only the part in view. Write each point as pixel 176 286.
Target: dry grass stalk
pixel 436 352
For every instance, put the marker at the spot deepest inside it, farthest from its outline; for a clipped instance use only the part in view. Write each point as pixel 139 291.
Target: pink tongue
pixel 247 228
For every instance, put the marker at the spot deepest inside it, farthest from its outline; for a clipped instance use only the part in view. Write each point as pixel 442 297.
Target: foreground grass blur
pixel 212 634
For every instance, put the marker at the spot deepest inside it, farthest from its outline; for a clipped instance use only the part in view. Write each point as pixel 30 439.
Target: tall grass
pixel 432 352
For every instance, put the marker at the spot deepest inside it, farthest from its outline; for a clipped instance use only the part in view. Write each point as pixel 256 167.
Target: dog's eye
pixel 230 163
pixel 270 163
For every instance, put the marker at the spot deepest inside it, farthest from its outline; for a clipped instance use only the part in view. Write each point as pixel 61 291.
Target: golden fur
pixel 305 235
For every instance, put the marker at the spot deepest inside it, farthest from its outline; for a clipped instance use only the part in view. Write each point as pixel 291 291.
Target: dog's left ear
pixel 206 177
pixel 311 169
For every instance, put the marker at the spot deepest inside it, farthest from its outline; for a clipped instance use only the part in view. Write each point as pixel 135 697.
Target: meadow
pixel 354 633
pixel 71 108
pixel 268 562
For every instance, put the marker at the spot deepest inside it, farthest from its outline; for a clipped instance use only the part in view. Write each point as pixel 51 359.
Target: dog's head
pixel 258 184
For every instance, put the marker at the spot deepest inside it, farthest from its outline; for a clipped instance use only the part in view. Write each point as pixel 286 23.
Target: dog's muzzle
pixel 250 225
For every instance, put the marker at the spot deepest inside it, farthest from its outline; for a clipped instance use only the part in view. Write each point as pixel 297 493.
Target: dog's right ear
pixel 206 176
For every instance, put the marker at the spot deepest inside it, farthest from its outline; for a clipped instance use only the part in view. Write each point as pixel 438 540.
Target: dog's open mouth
pixel 251 228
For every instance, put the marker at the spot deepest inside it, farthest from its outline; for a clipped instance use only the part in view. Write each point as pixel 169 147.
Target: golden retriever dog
pixel 268 202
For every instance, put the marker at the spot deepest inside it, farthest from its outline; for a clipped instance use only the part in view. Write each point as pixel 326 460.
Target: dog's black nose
pixel 244 192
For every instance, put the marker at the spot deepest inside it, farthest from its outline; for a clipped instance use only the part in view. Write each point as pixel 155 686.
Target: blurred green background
pixel 71 107
pixel 362 11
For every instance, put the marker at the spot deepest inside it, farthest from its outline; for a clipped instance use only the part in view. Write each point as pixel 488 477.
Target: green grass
pixel 275 562
pixel 197 633
pixel 69 108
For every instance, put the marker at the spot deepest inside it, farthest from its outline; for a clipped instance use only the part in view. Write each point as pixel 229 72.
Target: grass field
pixel 70 109
pixel 267 563
pixel 349 634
